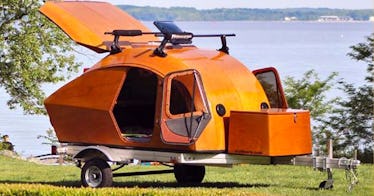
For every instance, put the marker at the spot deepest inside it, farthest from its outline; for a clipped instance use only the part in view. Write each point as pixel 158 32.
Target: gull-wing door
pixel 185 112
pixel 86 22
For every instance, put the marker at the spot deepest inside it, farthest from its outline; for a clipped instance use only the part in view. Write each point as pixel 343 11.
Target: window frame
pixel 199 109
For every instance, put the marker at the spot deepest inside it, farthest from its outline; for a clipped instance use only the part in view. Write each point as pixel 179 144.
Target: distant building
pixel 334 19
pixel 292 18
pixel 371 18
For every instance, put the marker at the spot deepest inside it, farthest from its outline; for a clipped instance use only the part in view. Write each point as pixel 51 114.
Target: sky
pixel 211 4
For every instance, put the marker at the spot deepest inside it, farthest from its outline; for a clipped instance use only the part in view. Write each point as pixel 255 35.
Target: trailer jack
pixel 329 183
pixel 327 164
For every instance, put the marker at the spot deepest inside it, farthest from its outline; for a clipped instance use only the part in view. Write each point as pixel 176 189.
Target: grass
pixel 19 177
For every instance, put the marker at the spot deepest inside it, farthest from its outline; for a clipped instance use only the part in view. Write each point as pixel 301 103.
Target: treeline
pixel 192 14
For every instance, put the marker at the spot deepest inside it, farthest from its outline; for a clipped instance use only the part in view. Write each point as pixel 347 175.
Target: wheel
pixel 327 184
pixel 189 173
pixel 96 173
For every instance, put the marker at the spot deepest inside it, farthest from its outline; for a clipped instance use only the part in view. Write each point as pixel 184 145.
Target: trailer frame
pixel 190 166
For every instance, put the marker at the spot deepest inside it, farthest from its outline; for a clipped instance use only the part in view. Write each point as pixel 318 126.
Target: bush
pixel 365 156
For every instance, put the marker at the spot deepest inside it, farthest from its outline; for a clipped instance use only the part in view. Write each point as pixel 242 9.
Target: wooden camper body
pixel 192 100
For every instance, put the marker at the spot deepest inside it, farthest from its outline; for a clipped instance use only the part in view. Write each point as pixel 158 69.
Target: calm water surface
pixel 292 47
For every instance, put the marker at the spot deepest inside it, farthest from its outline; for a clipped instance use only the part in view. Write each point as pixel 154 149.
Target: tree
pixel 351 123
pixel 50 139
pixel 364 52
pixel 348 121
pixel 33 51
pixel 309 93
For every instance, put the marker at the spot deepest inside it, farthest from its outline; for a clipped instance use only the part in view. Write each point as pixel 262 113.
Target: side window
pixel 185 112
pixel 180 99
pixel 270 82
pixel 184 94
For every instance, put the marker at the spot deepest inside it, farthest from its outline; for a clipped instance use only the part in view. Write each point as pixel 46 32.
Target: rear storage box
pixel 273 132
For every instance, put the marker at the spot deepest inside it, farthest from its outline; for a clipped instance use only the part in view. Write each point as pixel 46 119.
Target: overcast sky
pixel 210 4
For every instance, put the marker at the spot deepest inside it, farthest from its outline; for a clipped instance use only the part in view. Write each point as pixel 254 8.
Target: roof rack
pixel 170 32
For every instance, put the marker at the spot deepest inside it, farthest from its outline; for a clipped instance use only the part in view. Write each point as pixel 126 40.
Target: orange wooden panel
pixel 81 111
pixel 86 22
pixel 84 125
pixel 274 132
pixel 96 89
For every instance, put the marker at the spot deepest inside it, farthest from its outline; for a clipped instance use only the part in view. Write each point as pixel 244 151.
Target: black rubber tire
pixel 324 185
pixel 189 173
pixel 96 173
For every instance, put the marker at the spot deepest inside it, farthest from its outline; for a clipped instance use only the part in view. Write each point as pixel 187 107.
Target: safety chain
pixel 351 175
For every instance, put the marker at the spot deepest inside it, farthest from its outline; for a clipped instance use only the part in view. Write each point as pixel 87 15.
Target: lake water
pixel 292 47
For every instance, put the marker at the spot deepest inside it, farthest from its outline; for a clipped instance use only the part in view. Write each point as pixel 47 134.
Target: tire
pixel 189 173
pixel 96 173
pixel 326 185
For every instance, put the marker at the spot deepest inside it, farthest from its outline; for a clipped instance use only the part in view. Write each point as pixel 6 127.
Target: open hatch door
pixel 185 112
pixel 86 23
pixel 269 79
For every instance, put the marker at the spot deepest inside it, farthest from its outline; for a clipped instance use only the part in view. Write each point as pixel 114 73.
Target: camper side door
pixel 185 112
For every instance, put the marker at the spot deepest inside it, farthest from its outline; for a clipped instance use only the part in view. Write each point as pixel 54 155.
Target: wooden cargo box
pixel 273 132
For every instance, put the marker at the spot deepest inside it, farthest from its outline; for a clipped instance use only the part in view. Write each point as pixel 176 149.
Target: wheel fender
pixel 92 152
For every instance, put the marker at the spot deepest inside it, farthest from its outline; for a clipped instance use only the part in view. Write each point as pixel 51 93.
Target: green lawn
pixel 24 178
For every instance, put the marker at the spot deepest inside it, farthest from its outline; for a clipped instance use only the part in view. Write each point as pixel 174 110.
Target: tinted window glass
pixel 269 83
